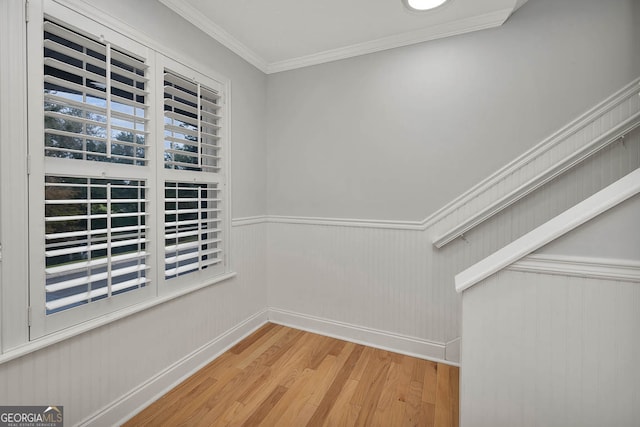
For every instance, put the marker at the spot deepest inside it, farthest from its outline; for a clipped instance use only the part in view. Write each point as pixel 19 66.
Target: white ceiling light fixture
pixel 422 5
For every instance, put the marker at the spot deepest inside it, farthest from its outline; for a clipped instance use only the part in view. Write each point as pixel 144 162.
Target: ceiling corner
pixel 216 32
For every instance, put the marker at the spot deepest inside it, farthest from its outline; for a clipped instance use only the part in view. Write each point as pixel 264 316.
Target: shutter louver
pixel 192 227
pixel 191 125
pixel 96 239
pixel 94 100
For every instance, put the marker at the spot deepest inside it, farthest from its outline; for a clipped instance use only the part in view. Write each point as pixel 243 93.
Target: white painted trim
pixel 396 343
pixel 80 328
pixel 346 222
pixel 452 350
pixel 14 202
pixel 538 150
pixel 249 220
pixel 216 32
pixel 131 403
pixel 597 144
pixel 600 202
pixel 462 26
pixel 597 268
pixel 529 156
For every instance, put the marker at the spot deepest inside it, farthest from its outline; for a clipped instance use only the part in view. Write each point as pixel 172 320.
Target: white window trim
pixel 14 340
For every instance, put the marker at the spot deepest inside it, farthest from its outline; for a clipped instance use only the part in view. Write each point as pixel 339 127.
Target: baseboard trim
pixel 396 343
pixel 452 350
pixel 122 409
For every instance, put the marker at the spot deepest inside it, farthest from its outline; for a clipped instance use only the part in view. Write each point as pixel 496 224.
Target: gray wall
pixel 397 134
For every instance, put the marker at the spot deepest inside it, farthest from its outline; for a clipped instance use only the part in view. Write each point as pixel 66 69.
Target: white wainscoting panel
pixel 550 350
pixel 105 375
pixel 367 277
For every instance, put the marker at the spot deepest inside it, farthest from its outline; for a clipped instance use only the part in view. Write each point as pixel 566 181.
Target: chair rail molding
pixel 605 124
pixel 597 268
pixel 249 220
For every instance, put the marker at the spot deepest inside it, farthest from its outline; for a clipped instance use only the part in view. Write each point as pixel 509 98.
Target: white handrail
pixel 597 144
pixel 614 113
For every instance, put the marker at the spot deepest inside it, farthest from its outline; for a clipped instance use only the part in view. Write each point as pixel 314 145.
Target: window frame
pixel 48 327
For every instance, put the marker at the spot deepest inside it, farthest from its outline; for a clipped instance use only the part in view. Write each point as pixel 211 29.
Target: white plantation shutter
pixel 96 238
pixel 194 194
pixel 95 182
pixel 94 99
pixel 192 115
pixel 192 227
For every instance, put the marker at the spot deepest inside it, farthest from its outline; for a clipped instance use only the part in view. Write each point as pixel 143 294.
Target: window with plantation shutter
pixel 95 178
pixel 194 209
pixel 127 165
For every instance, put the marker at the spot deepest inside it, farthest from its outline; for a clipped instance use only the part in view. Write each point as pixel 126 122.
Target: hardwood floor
pixel 280 376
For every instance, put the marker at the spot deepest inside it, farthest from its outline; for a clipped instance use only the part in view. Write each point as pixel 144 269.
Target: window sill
pixel 73 331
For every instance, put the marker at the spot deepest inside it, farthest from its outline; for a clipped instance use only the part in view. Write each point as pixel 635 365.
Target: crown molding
pixel 217 33
pixel 461 26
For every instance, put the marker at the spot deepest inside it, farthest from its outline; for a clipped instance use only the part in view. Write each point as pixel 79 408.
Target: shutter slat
pixel 51 236
pixel 87 42
pixel 100 246
pixel 95 293
pixel 84 280
pixel 84 265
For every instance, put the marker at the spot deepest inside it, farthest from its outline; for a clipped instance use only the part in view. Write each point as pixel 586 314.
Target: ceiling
pixel 279 35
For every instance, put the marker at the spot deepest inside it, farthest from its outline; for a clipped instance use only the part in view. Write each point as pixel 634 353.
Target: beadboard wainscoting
pixel 103 376
pixel 551 349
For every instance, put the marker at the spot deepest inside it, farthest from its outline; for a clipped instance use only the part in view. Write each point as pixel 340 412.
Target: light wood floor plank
pixel 280 376
pixel 446 395
pixel 342 412
pixel 337 386
pixel 430 382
